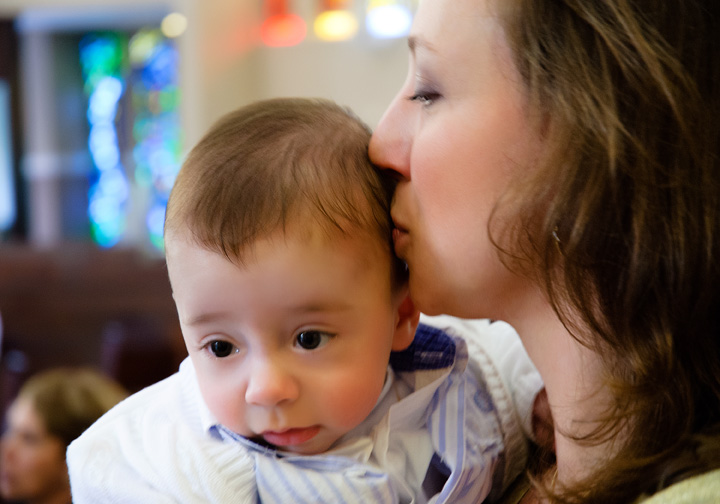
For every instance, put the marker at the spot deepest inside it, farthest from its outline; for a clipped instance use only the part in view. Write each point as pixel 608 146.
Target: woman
pixel 51 409
pixel 559 169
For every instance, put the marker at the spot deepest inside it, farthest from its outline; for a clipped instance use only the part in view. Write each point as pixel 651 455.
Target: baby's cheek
pixel 353 403
pixel 225 408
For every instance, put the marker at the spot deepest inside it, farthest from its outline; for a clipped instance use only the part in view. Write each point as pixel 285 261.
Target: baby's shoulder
pixel 152 448
pixel 126 422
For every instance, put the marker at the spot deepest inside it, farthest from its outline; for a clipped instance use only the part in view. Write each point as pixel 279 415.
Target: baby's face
pixel 293 346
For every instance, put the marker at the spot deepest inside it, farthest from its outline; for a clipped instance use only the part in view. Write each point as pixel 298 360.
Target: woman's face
pixel 33 466
pixel 457 132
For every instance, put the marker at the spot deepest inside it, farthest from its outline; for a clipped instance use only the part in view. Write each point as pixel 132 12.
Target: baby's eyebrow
pixel 204 318
pixel 328 306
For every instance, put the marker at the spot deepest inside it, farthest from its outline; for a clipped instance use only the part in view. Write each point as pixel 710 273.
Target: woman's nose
pixel 390 143
pixel 270 384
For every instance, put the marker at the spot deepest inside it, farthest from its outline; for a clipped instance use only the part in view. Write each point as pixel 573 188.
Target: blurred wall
pixel 223 64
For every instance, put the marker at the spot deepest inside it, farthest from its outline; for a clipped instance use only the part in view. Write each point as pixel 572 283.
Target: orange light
pixel 281 28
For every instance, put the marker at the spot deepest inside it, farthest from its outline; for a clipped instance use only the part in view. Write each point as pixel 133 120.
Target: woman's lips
pixel 401 239
pixel 291 437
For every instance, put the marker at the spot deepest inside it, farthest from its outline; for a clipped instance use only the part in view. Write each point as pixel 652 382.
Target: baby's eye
pixel 221 348
pixel 310 340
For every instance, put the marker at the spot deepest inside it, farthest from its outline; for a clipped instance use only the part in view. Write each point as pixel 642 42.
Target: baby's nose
pixel 270 384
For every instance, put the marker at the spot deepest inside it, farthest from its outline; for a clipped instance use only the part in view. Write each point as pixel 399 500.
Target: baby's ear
pixel 408 318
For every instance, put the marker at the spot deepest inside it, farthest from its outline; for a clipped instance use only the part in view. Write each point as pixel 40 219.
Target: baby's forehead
pixel 299 233
pixel 341 240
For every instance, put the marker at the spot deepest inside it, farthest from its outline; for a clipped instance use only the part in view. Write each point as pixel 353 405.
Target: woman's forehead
pixel 456 29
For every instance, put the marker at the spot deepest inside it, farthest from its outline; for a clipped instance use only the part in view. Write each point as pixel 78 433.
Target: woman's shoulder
pixel 701 489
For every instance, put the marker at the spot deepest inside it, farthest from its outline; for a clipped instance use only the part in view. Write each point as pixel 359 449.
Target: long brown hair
pixel 627 94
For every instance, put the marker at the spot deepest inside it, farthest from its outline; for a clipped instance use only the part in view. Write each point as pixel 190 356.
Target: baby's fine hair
pixel 277 163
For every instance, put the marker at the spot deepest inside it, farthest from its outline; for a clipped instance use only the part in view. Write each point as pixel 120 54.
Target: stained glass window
pixel 131 78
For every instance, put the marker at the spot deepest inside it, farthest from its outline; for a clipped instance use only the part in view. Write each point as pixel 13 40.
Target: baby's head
pixel 278 243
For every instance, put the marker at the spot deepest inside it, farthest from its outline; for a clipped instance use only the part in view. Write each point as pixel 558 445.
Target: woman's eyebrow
pixel 415 42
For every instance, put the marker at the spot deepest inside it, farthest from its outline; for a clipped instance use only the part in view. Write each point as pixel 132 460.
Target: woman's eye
pixel 310 340
pixel 221 348
pixel 425 97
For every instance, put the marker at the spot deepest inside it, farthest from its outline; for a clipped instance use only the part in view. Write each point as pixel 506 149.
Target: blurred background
pixel 99 103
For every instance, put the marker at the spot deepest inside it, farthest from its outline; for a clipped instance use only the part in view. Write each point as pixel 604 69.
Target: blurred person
pixel 52 408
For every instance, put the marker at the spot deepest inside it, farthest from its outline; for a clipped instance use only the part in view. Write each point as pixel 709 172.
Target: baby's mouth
pixel 291 437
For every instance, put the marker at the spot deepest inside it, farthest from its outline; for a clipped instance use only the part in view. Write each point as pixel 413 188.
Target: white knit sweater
pixel 155 447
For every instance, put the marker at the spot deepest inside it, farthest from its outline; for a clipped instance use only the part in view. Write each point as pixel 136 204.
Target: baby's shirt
pixel 162 444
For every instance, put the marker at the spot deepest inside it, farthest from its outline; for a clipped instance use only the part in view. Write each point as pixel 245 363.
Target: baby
pixel 309 377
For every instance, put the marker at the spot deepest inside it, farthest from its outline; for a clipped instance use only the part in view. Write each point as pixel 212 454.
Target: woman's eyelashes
pixel 312 340
pixel 426 98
